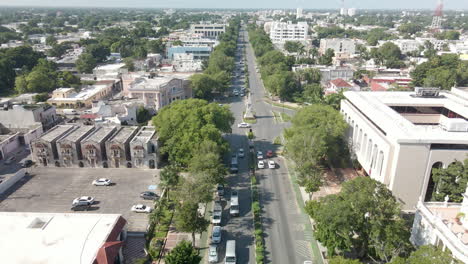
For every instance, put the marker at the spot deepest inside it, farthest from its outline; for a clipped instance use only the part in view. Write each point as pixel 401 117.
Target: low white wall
pixel 8 182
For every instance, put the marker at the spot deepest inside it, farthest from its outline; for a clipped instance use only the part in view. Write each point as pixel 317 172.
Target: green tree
pixel 313 93
pixel 294 47
pixel 342 260
pixel 169 177
pixel 364 218
pixel 98 51
pixel 184 124
pixel 51 40
pixel 183 253
pixel 327 58
pixel 450 181
pixel 143 115
pixel 208 163
pixel 427 255
pixel 187 219
pixel 409 28
pixel 86 63
pixel 129 64
pixel 155 46
pixel 203 85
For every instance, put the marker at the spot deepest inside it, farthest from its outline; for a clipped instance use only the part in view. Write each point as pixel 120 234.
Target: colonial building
pixel 69 146
pixel 93 147
pixel 208 30
pixel 118 147
pixel 144 148
pixel 44 149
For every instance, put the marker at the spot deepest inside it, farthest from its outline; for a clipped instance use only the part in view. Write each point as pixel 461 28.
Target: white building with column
pixel 444 225
pixel 398 137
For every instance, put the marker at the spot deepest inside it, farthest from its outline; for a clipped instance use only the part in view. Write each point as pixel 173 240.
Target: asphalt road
pixel 286 240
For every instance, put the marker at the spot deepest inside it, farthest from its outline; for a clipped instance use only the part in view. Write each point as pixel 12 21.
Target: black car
pixel 27 164
pixel 149 195
pixel 81 207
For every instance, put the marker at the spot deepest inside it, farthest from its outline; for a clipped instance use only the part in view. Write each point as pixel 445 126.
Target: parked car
pixel 27 163
pixel 261 164
pixel 83 200
pixel 271 164
pixel 10 160
pixel 102 182
pixel 269 154
pixel 259 155
pixel 141 208
pixel 213 254
pixel 216 218
pixel 216 235
pixel 220 190
pixel 149 195
pixel 243 125
pixel 241 153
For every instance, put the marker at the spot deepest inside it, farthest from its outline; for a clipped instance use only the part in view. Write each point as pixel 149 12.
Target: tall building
pixel 339 46
pixel 287 31
pixel 344 11
pixel 352 11
pixel 399 137
pixel 299 13
pixel 208 30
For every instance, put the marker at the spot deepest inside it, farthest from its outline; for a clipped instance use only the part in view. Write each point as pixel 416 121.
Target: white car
pixel 259 155
pixel 243 125
pixel 216 219
pixel 140 208
pixel 216 235
pixel 102 182
pixel 83 200
pixel 271 164
pixel 261 164
pixel 241 154
pixel 213 254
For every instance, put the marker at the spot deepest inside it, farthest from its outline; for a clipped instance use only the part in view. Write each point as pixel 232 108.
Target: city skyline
pixel 244 4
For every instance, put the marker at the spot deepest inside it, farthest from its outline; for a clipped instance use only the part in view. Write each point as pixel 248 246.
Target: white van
pixel 230 252
pixel 234 206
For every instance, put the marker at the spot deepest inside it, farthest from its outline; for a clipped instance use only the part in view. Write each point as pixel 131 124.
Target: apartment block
pixel 281 32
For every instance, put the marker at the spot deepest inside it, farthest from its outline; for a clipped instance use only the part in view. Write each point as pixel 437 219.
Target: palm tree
pixel 169 177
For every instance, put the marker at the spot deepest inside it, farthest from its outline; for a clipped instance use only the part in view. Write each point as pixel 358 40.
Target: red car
pixel 269 154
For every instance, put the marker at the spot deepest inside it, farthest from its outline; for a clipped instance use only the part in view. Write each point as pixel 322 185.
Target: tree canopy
pixel 443 71
pixel 184 125
pixel 183 253
pixel 363 219
pixel 450 181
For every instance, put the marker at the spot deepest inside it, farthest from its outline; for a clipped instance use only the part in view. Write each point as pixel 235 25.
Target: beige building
pixel 93 147
pixel 398 137
pixel 208 30
pixel 44 149
pixel 68 98
pixel 118 147
pixel 69 146
pixel 144 148
pixel 159 91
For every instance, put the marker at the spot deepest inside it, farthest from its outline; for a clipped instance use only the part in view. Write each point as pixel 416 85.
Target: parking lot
pixel 53 190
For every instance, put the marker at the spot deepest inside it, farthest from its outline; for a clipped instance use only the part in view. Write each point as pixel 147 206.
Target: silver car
pixel 213 254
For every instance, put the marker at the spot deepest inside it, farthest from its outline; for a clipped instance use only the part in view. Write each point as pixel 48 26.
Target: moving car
pixel 234 205
pixel 213 254
pixel 269 154
pixel 102 182
pixel 220 190
pixel 241 153
pixel 149 195
pixel 261 164
pixel 27 163
pixel 83 200
pixel 259 155
pixel 216 219
pixel 243 125
pixel 216 235
pixel 140 208
pixel 271 164
pixel 230 257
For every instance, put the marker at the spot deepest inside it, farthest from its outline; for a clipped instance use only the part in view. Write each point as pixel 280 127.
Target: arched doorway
pixel 431 184
pixel 104 164
pixel 80 164
pixel 151 164
pixel 129 164
pixel 57 164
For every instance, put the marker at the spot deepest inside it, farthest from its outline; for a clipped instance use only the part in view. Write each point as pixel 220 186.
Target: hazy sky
pixel 363 4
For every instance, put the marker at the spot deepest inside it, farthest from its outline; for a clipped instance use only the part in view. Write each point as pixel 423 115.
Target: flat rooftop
pixel 123 134
pixel 156 82
pixel 145 134
pixel 56 132
pixel 110 67
pixel 53 238
pixel 376 106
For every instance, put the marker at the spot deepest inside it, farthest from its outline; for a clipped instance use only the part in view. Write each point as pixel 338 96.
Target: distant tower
pixel 436 25
pixel 298 12
pixel 343 10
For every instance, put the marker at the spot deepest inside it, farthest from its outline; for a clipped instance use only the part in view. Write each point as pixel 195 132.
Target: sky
pixel 306 4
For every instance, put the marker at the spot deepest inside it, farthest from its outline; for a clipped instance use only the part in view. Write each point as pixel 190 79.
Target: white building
pixel 398 137
pixel 435 224
pixel 352 12
pixel 299 12
pixel 281 31
pixel 343 11
pixel 339 46
pixel 57 238
pixel 208 30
